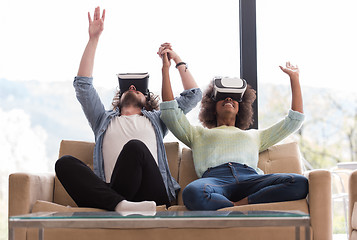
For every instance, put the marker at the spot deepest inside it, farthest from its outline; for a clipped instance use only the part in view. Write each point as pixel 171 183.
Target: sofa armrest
pixel 352 197
pixel 25 189
pixel 320 203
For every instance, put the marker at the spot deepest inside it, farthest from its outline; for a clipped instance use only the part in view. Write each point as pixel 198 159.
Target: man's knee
pixel 63 163
pixel 135 148
pixel 134 144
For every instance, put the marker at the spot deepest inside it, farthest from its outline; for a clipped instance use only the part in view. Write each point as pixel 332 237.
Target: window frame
pixel 248 49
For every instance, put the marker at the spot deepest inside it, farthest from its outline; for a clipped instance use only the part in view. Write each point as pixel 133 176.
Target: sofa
pixel 30 193
pixel 352 205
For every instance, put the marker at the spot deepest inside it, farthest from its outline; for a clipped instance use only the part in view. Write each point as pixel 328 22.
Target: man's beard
pixel 131 99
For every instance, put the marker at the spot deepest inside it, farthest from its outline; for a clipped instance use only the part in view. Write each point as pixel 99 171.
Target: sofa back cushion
pixel 80 150
pixel 84 152
pixel 284 158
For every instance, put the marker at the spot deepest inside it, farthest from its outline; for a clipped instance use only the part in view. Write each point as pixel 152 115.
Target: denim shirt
pixel 99 119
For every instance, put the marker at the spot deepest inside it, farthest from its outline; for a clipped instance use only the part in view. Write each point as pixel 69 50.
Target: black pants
pixel 136 177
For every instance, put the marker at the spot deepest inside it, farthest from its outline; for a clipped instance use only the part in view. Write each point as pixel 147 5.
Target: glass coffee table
pixel 164 219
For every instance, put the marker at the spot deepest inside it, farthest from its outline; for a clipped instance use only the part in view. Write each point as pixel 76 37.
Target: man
pixel 131 172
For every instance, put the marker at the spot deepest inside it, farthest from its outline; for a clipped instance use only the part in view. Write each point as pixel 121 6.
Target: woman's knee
pixel 193 196
pixel 301 186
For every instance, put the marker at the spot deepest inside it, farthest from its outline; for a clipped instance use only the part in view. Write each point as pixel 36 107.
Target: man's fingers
pixel 89 18
pixel 165 51
pixel 95 14
pixel 166 45
pixel 164 58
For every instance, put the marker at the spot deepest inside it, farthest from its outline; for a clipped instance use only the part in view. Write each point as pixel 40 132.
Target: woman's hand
pixel 291 70
pixel 188 82
pixel 171 54
pixel 96 26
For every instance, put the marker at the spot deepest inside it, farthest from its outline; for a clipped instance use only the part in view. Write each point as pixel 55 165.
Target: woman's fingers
pixel 165 44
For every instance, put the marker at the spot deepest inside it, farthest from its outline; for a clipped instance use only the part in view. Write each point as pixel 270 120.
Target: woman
pixel 226 155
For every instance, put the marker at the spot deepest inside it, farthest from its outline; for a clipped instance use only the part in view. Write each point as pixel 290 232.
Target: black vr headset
pixel 224 87
pixel 139 80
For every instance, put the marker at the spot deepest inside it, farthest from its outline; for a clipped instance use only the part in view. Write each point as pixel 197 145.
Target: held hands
pixel 291 70
pixel 96 26
pixel 166 53
pixel 165 60
pixel 188 82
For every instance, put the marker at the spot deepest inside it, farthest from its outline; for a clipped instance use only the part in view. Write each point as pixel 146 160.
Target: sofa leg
pixel 41 234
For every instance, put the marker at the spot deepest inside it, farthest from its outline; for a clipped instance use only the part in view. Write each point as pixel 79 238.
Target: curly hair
pixel 244 118
pixel 152 101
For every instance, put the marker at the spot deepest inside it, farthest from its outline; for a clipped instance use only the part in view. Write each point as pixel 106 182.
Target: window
pixel 319 36
pixel 41 49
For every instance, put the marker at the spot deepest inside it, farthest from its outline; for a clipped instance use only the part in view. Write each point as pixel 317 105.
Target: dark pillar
pixel 248 48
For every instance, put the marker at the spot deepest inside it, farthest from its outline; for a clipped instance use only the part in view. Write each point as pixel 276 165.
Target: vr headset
pixel 139 80
pixel 224 87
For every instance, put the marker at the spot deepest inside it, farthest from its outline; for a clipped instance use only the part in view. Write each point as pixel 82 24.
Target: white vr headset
pixel 224 87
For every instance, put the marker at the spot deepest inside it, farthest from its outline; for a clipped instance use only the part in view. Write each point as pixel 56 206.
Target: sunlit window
pixel 41 49
pixel 319 37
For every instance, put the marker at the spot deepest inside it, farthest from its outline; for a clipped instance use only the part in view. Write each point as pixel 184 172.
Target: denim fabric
pixel 223 185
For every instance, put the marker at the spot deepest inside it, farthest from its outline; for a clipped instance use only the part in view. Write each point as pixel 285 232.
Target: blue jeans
pixel 223 185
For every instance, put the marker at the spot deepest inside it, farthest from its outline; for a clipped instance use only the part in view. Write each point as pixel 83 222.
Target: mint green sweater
pixel 216 146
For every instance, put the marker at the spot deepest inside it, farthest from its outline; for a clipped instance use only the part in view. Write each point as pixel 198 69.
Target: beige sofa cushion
pixel 298 205
pixel 44 206
pixel 284 158
pixel 78 149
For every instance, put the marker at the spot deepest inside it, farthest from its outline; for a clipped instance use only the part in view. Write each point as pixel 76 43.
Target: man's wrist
pixel 94 39
pixel 165 68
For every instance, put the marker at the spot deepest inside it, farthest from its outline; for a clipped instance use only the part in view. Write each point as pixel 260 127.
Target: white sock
pixel 125 206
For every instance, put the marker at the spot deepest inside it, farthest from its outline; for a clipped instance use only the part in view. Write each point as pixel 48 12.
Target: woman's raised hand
pixel 291 70
pixel 96 26
pixel 167 48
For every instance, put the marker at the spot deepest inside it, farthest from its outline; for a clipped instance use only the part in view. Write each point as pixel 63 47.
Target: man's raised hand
pixel 96 26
